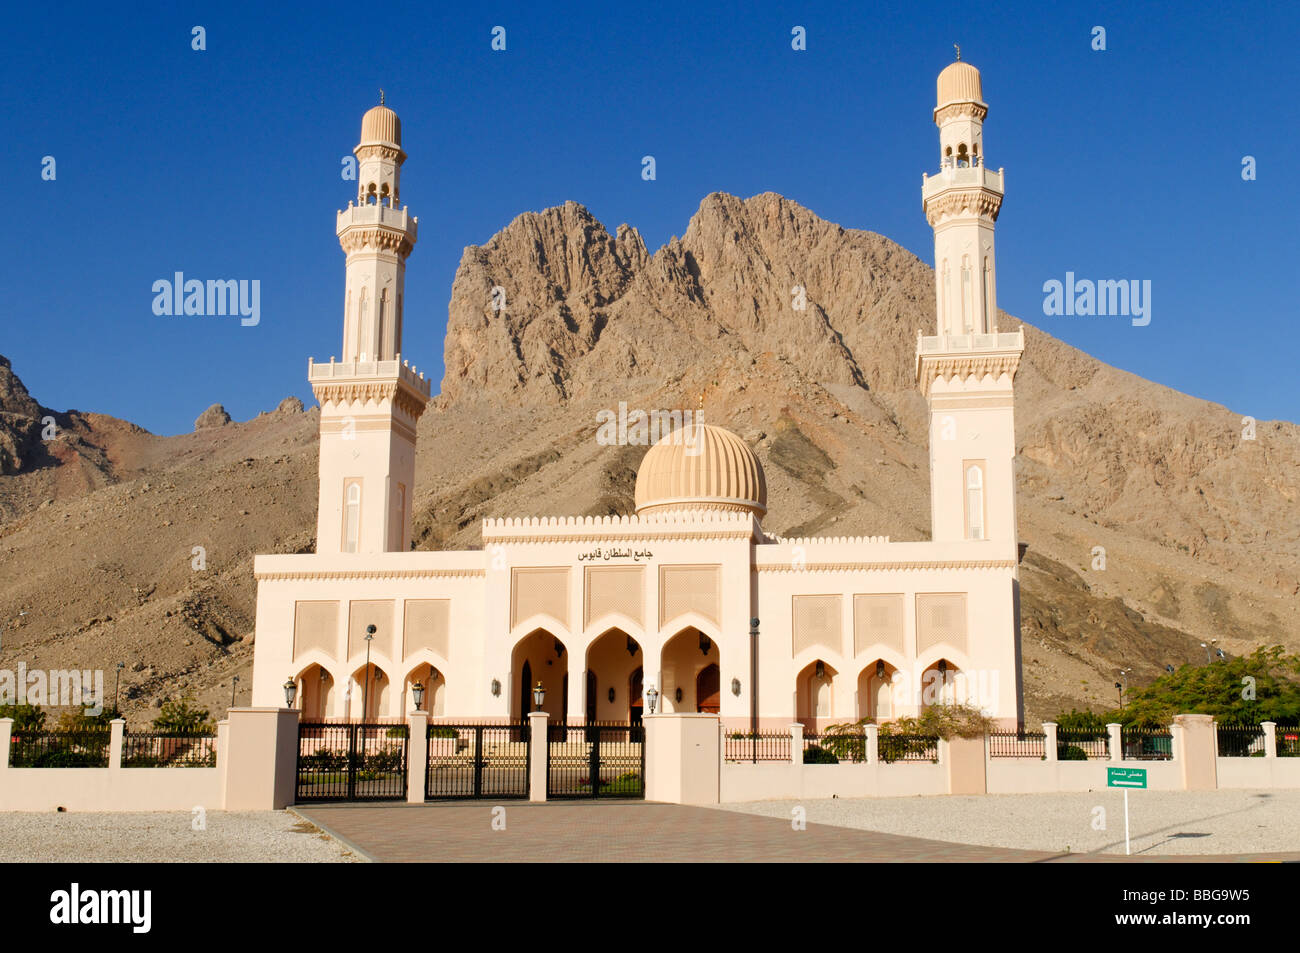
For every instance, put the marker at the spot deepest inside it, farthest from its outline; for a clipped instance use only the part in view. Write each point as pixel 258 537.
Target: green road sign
pixel 1126 777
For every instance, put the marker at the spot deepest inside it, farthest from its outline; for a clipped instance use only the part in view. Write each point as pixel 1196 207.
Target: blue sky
pixel 225 164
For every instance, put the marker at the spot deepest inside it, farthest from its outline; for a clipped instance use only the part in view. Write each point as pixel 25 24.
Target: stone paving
pixel 641 832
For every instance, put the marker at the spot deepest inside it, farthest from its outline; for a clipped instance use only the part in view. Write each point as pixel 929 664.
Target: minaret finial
pixel 954 46
pixel 381 92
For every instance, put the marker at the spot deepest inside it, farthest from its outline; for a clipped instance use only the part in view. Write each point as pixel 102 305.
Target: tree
pixel 181 717
pixel 1247 690
pixel 26 717
pixel 1244 690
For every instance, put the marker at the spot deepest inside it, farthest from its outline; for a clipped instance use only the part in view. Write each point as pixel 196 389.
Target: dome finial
pixel 955 46
pixel 381 92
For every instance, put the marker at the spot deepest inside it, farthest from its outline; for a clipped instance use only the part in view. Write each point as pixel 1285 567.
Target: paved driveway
pixel 637 831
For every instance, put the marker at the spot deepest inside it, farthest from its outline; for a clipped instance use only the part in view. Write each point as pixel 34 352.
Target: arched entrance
pixel 685 656
pixel 434 689
pixel 315 688
pixel 540 657
pixel 368 694
pixel 815 695
pixel 939 683
pixel 876 687
pixel 611 660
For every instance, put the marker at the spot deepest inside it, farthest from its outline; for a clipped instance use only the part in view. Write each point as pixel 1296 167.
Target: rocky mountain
pixel 555 319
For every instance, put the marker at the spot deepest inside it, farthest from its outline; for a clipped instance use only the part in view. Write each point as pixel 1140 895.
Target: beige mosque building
pixel 688 602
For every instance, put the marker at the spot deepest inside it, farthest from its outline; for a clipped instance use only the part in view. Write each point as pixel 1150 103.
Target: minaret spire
pixel 966 369
pixel 371 401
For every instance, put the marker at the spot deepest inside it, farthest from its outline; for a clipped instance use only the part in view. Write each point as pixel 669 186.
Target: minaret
pixel 371 400
pixel 966 369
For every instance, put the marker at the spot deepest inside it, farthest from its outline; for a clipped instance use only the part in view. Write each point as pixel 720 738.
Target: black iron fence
pixel 1240 741
pixel 164 750
pixel 1082 745
pixel 472 761
pixel 1017 744
pixel 59 749
pixel 834 746
pixel 891 747
pixel 352 762
pixel 1147 744
pixel 1288 741
pixel 756 746
pixel 592 761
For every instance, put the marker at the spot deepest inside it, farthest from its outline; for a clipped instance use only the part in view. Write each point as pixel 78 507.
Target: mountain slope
pixel 1200 529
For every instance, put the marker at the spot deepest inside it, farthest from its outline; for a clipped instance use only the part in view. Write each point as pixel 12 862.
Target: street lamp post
pixel 753 687
pixel 234 683
pixel 365 692
pixel 117 680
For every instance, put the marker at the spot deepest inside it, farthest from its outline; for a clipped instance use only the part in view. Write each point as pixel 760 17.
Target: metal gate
pixel 468 761
pixel 352 762
pixel 596 761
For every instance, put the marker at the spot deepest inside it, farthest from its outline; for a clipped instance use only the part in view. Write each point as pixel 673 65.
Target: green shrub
pixel 180 717
pixel 1071 753
pixel 816 754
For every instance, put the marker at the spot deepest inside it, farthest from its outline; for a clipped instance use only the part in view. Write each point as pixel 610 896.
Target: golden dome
pixel 959 83
pixel 381 124
pixel 701 467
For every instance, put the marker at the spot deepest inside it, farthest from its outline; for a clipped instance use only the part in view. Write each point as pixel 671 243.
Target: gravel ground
pixel 1160 822
pixel 256 836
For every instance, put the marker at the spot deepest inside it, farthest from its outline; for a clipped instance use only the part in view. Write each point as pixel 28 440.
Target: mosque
pixel 688 604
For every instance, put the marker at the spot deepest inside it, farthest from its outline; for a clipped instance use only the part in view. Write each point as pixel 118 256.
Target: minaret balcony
pixel 955 177
pixel 368 370
pixel 945 343
pixel 946 355
pixel 372 215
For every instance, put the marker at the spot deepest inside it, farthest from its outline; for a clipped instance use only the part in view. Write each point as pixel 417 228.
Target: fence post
pixel 796 743
pixel 1270 738
pixel 1049 740
pixel 417 755
pixel 6 734
pixel 872 744
pixel 223 755
pixel 1116 743
pixel 116 730
pixel 538 748
pixel 1199 757
pixel 1176 740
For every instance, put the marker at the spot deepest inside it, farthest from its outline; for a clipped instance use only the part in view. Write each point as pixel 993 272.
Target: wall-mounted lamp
pixel 631 646
pixel 705 644
pixel 735 686
pixel 652 698
pixel 943 666
pixel 496 688
pixel 880 670
pixel 417 692
pixel 678 696
pixel 611 693
pixel 821 669
pixel 539 696
pixel 559 648
pixel 290 692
